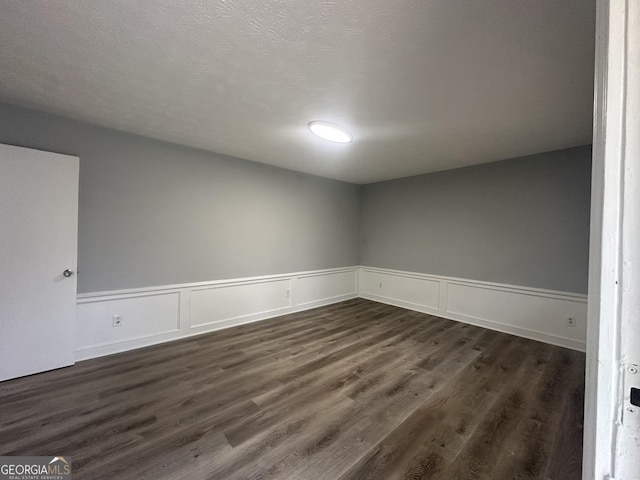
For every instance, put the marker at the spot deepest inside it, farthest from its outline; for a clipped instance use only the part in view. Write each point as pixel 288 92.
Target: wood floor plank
pixel 410 448
pixel 566 460
pixel 541 417
pixel 354 390
pixel 485 448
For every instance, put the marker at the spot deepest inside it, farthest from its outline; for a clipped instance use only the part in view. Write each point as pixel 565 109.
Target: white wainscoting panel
pixel 528 312
pixel 405 289
pixel 160 314
pixel 153 315
pixel 142 316
pixel 221 303
pixel 542 316
pixel 329 286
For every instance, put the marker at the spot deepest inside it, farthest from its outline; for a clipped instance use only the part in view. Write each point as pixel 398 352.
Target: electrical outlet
pixel 117 320
pixel 571 321
pixel 287 293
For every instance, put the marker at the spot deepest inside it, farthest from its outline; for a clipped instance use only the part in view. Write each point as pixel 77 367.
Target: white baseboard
pixel 527 312
pixel 161 314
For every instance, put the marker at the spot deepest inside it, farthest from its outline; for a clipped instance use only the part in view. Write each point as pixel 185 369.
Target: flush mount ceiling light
pixel 330 132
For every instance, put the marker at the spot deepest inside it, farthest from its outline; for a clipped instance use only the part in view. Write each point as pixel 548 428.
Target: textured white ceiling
pixel 423 85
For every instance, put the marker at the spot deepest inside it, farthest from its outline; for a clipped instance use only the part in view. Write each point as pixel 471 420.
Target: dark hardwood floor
pixel 356 390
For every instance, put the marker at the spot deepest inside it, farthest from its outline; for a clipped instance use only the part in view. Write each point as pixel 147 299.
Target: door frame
pixel 611 245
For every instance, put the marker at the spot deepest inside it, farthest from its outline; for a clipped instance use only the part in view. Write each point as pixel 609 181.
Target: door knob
pixel 67 273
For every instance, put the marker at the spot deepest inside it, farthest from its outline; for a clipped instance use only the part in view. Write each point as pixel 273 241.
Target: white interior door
pixel 38 242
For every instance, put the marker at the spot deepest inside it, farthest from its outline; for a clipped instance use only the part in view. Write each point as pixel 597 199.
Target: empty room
pixel 318 240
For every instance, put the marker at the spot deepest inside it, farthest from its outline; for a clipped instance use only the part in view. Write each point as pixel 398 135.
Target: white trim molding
pixel 154 315
pixel 612 423
pixel 535 313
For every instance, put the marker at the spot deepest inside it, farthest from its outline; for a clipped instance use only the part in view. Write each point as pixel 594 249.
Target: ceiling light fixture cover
pixel 330 132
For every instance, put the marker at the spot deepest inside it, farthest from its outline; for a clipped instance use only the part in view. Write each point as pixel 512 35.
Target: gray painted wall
pixel 523 221
pixel 153 213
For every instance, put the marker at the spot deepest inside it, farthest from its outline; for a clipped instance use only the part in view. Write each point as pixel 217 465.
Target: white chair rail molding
pixel 110 322
pixel 116 321
pixel 549 316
